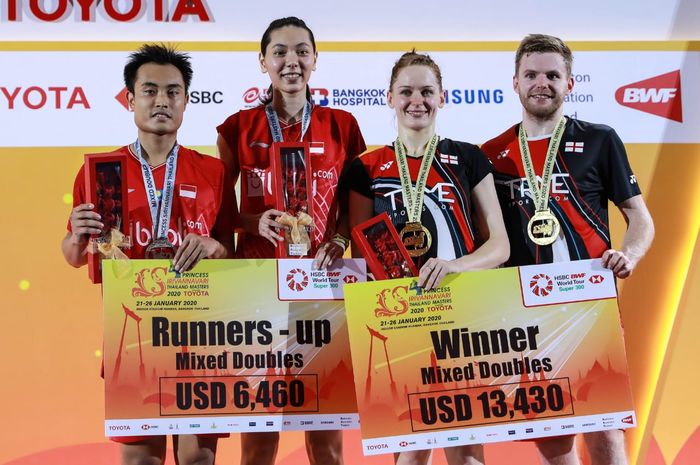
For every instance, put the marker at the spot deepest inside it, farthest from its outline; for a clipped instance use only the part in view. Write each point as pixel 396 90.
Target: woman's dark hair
pixel 265 41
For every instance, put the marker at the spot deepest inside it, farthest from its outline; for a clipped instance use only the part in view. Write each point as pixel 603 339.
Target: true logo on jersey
pixel 448 159
pixel 573 147
pixel 442 189
pixel 659 95
pixel 319 96
pixel 518 188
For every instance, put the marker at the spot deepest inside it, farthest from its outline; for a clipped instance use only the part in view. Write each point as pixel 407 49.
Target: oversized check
pixel 490 356
pixel 234 345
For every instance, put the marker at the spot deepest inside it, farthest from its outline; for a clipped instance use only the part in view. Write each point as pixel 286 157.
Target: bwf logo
pixel 659 95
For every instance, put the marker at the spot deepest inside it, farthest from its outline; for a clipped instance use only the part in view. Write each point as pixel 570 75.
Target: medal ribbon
pixel 540 194
pixel 160 219
pixel 274 122
pixel 413 198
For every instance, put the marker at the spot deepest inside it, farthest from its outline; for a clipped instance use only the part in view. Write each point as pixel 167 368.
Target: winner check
pixel 233 345
pixel 512 353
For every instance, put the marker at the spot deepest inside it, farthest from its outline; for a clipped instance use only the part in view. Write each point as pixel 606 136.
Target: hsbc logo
pixel 349 279
pixel 40 97
pixel 659 95
pixel 596 279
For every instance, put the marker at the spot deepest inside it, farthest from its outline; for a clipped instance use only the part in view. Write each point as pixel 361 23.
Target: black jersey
pixel 447 206
pixel 591 168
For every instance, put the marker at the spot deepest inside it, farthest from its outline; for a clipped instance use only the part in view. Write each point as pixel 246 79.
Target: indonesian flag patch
pixel 188 191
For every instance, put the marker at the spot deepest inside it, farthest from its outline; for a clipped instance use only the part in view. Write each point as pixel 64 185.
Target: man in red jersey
pixel 554 177
pixel 179 205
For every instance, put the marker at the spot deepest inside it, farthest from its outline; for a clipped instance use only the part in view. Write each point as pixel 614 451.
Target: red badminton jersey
pixel 202 201
pixel 335 139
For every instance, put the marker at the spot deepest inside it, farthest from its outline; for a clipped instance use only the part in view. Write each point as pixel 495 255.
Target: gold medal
pixel 543 227
pixel 416 238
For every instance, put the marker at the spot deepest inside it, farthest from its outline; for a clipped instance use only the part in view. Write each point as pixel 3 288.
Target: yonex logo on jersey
pixel 503 154
pixel 573 147
pixel 449 159
pixel 256 143
pixel 386 165
pixel 633 179
pixel 319 96
pixel 659 95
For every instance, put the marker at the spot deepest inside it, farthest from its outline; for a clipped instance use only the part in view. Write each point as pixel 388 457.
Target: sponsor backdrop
pixel 59 100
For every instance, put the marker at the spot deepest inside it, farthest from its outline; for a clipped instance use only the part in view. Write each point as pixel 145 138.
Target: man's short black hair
pixel 159 54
